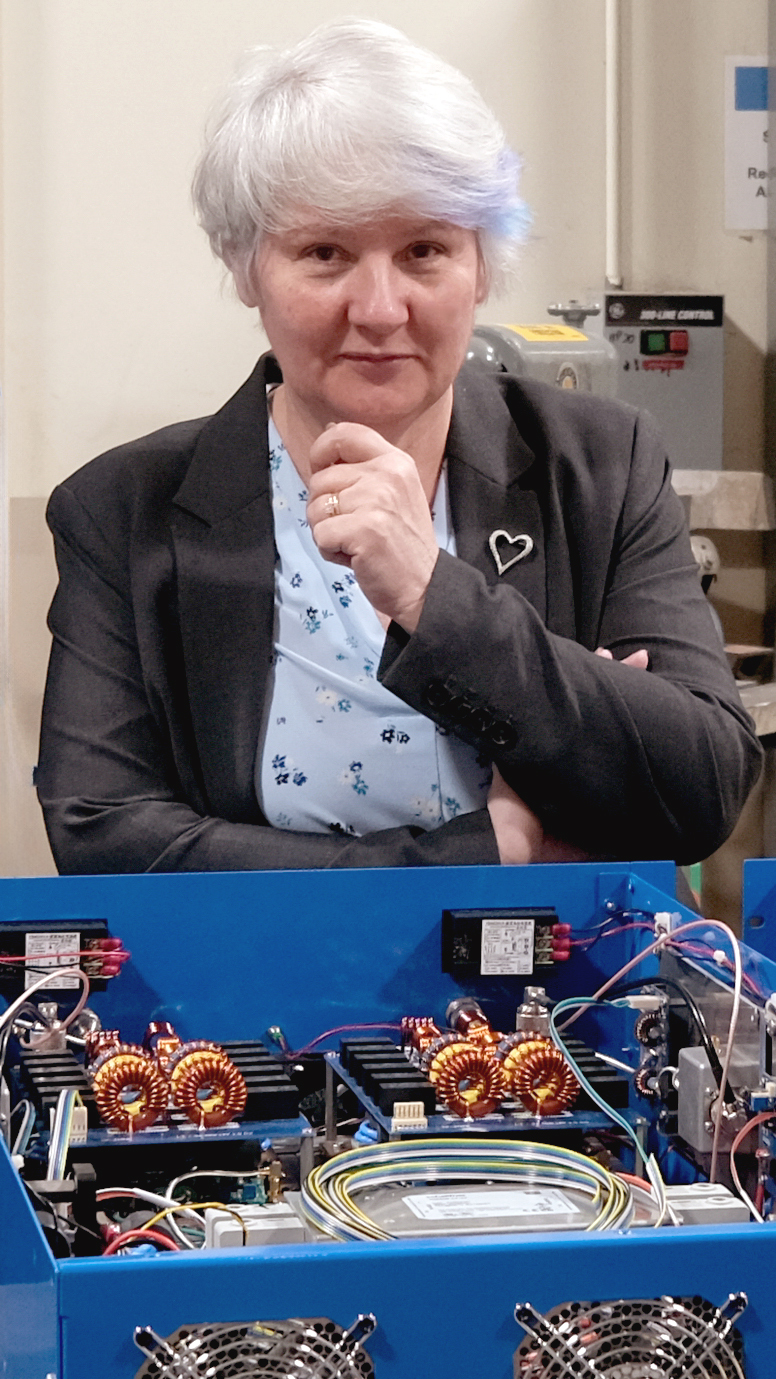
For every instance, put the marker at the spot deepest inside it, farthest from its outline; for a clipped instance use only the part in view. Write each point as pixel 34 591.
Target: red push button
pixel 678 341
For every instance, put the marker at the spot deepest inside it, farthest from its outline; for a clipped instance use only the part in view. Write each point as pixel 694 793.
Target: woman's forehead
pixel 310 222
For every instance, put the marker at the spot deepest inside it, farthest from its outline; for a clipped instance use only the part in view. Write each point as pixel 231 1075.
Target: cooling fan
pixel 295 1349
pixel 642 1338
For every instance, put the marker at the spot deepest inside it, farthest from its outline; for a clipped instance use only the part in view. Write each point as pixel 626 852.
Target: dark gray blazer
pixel 163 632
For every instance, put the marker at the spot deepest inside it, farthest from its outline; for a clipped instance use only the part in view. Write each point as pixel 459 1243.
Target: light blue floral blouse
pixel 339 752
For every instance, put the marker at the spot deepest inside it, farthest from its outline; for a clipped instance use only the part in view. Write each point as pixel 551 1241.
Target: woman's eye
pixel 423 252
pixel 323 253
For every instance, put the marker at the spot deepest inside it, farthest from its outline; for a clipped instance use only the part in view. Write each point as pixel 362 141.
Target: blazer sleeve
pixel 112 796
pixel 620 762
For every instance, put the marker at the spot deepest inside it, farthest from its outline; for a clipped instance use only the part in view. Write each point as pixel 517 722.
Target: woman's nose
pixel 378 294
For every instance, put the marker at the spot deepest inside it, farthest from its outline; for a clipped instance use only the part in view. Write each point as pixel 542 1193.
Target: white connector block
pixel 79 1124
pixel 274 1224
pixel 663 922
pixel 706 1204
pixel 408 1115
pixel 642 1001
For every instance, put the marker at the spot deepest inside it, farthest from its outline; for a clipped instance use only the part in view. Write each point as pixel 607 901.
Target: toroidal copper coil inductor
pixel 541 1077
pixel 206 1084
pixel 98 1040
pixel 162 1042
pixel 129 1090
pixel 429 1054
pixel 466 1017
pixel 419 1032
pixel 469 1080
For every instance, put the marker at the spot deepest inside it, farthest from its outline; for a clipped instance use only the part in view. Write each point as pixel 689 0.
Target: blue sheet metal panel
pixel 758 949
pixel 445 1310
pixel 318 948
pixel 759 905
pixel 29 1322
pixel 224 955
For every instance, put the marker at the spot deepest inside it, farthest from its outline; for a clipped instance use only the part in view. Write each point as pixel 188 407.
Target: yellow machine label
pixel 548 332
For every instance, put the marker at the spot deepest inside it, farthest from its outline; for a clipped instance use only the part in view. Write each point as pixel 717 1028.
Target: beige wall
pixel 115 319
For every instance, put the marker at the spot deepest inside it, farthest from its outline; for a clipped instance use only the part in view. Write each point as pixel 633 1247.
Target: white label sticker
pixel 507 947
pixel 749 169
pixel 47 950
pixel 468 1206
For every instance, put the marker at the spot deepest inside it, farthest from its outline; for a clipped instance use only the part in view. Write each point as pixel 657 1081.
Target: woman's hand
pixel 382 530
pixel 519 834
pixel 639 659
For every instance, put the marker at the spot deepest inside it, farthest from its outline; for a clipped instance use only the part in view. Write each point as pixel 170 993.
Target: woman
pixel 351 620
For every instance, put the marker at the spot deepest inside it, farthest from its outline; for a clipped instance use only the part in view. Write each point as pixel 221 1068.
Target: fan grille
pixel 641 1338
pixel 294 1349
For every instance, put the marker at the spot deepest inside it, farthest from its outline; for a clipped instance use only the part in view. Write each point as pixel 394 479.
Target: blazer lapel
pixel 492 477
pixel 225 556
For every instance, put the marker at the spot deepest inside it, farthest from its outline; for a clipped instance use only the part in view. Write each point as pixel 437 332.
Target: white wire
pixel 670 937
pixel 201 1173
pixel 59 1142
pixel 23 1133
pixel 55 975
pixel 732 1026
pixel 155 1199
pixel 213 1173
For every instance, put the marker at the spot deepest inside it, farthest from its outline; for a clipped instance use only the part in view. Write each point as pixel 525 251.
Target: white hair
pixel 355 121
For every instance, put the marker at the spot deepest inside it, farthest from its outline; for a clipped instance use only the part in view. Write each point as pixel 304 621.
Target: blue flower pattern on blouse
pixel 339 752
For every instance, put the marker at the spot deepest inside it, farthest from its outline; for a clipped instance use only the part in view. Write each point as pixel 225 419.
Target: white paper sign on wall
pixel 746 143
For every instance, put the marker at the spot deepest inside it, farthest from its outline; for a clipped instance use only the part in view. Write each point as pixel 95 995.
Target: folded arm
pixel 612 760
pixel 109 780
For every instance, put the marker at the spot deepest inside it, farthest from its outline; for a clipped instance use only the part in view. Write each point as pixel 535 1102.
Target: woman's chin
pixel 387 410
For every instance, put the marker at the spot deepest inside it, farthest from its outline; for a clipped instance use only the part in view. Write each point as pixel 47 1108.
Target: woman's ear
pixel 244 273
pixel 483 278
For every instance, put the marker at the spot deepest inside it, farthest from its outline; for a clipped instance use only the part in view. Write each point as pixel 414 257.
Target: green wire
pixel 327 1194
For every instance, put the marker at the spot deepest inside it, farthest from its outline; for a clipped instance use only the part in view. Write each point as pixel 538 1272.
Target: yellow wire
pixel 610 1198
pixel 198 1206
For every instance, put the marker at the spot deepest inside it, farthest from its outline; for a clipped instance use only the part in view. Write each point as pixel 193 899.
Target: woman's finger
pixel 346 442
pixel 638 659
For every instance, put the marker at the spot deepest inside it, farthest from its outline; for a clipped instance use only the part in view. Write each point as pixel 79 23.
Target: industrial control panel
pixel 670 360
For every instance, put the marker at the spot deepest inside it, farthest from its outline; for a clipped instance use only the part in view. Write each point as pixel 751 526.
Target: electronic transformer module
pixel 504 1082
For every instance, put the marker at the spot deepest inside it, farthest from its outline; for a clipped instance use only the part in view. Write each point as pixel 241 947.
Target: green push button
pixel 654 342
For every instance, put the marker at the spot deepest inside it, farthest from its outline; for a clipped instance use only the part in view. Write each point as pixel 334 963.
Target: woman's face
pixel 369 322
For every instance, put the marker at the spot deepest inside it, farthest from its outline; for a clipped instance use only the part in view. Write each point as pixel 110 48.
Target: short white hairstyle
pixel 355 121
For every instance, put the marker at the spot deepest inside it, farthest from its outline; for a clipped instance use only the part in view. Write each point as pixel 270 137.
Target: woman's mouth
pixel 367 358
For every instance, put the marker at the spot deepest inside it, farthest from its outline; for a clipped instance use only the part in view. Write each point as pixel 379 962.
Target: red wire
pixel 706 951
pixel 608 933
pixel 121 954
pixel 339 1029
pixel 140 1234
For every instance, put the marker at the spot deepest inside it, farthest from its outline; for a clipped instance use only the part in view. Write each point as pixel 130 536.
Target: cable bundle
pixel 328 1195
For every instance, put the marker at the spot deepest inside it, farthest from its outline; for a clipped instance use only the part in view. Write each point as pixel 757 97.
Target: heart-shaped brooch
pixel 520 547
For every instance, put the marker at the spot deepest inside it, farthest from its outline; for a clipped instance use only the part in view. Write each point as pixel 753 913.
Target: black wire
pixel 697 1016
pixel 79 1225
pixel 580 936
pixel 56 1229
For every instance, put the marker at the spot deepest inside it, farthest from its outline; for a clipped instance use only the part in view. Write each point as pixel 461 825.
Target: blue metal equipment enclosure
pixel 229 955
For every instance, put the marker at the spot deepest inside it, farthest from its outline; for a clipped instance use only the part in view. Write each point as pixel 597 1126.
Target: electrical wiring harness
pixel 328 1195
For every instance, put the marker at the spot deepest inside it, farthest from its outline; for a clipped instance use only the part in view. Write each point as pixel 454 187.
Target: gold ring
pixel 332 505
